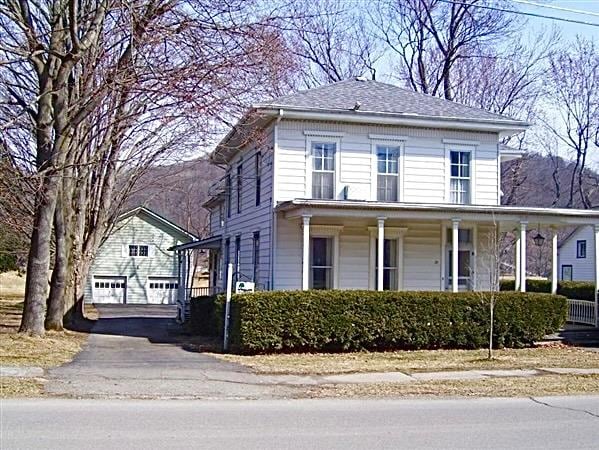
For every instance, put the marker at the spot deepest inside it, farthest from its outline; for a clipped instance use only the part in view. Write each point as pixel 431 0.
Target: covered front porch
pixel 398 246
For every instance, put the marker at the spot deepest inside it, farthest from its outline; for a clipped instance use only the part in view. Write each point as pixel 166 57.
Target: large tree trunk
pixel 56 300
pixel 38 263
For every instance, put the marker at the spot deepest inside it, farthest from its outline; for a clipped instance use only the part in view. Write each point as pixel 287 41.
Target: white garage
pixel 108 289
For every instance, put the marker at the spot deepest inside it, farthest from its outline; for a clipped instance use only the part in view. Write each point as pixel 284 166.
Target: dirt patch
pixel 492 387
pixel 417 361
pixel 20 387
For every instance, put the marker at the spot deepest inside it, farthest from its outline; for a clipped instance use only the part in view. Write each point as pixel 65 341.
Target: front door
pixel 464 270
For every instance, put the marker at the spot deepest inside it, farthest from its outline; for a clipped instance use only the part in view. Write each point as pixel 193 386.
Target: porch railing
pixel 581 311
pixel 202 291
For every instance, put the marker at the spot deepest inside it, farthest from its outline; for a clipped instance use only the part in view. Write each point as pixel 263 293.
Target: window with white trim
pixel 139 250
pixel 390 266
pixel 460 177
pixel 321 262
pixel 323 170
pixel 387 173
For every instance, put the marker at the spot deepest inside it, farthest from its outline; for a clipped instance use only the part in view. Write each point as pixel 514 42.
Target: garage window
pixel 139 250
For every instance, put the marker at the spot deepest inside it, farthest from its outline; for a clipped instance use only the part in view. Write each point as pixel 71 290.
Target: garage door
pixel 162 291
pixel 109 289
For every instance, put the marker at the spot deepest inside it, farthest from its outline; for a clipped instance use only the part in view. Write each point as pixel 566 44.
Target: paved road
pixel 138 352
pixel 301 424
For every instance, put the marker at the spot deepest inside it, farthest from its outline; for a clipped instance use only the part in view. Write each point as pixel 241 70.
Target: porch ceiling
pixel 505 216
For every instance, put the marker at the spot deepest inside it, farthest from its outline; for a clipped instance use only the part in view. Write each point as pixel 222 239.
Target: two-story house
pixel 365 185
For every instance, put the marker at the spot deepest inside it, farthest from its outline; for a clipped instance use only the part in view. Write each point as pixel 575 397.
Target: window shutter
pixel 124 251
pixel 151 250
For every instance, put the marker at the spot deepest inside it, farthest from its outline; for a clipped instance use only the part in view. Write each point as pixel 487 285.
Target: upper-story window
pixel 323 170
pixel 228 193
pixel 239 186
pixel 258 175
pixel 581 249
pixel 387 173
pixel 460 182
pixel 139 250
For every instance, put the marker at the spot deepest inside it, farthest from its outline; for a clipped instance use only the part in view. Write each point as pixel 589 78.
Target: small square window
pixel 581 249
pixel 143 250
pixel 133 250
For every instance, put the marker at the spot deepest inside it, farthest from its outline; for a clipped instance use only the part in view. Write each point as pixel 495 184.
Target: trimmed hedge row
pixel 581 290
pixel 293 321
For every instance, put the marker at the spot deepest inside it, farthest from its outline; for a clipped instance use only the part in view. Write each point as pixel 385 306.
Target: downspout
pixel 273 194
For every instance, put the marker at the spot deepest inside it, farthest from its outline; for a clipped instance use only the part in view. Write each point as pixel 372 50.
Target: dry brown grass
pixel 492 387
pixel 12 284
pixel 418 361
pixel 54 349
pixel 20 387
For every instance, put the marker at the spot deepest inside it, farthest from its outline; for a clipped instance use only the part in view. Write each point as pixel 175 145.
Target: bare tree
pixel 331 42
pixel 431 37
pixel 109 89
pixel 574 95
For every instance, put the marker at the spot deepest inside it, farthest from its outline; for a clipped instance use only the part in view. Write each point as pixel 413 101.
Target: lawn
pixel 493 387
pixel 417 361
pixel 54 349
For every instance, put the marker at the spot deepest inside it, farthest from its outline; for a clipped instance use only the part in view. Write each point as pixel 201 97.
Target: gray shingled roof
pixel 377 97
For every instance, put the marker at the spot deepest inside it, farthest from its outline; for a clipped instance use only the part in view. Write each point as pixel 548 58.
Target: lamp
pixel 538 240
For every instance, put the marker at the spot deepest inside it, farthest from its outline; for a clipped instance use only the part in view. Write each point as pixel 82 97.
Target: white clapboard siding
pixel 252 218
pixel 424 163
pixel 583 269
pixel 113 260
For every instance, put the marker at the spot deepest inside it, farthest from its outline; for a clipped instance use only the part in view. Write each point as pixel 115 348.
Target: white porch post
pixel 596 274
pixel 380 256
pixel 306 252
pixel 554 261
pixel 455 247
pixel 517 263
pixel 523 256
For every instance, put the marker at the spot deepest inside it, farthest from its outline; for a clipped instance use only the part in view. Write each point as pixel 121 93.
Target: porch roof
pixel 213 242
pixel 437 211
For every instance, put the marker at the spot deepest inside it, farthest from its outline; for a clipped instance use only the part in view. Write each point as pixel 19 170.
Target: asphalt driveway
pixel 140 352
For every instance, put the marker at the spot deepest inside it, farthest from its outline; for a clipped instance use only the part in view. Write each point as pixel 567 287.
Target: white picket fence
pixel 581 311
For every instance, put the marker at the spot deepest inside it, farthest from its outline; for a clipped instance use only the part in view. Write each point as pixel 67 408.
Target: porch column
pixel 455 247
pixel 523 256
pixel 517 262
pixel 306 252
pixel 554 261
pixel 596 274
pixel 380 256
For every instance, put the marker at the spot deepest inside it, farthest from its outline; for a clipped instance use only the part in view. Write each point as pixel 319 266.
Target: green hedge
pixel 291 321
pixel 581 290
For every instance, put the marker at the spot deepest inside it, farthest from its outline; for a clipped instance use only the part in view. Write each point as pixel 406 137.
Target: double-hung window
pixel 389 265
pixel 581 249
pixel 228 193
pixel 258 176
pixel 321 276
pixel 239 186
pixel 237 265
pixel 387 173
pixel 256 255
pixel 323 170
pixel 461 177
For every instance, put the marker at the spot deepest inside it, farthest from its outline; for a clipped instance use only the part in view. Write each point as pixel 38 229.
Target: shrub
pixel 581 290
pixel 202 318
pixel 354 320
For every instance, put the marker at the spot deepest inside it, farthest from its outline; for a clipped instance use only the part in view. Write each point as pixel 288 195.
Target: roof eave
pixel 497 125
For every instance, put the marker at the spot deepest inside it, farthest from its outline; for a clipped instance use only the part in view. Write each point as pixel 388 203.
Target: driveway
pixel 140 352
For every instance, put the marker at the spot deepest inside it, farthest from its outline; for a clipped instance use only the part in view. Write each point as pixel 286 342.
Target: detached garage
pixel 134 265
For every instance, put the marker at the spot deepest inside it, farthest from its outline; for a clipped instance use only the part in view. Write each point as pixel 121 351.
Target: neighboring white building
pixel 365 185
pixel 134 265
pixel 576 255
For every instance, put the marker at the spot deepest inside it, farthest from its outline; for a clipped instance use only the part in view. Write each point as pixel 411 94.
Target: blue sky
pixel 568 30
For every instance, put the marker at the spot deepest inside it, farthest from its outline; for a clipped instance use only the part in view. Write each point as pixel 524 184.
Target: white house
pixel 365 185
pixel 576 255
pixel 134 265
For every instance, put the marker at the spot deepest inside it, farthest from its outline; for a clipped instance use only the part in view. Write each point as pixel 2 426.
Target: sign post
pixel 228 306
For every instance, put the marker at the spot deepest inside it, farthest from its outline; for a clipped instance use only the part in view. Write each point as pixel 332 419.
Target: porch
pixel 324 244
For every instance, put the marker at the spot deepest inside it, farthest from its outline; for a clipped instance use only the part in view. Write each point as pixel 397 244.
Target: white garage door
pixel 109 289
pixel 162 291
